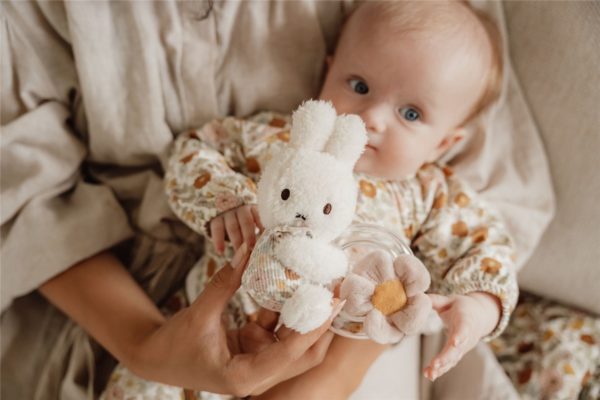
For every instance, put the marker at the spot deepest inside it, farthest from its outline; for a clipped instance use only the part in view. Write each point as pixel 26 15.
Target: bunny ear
pixel 312 124
pixel 348 140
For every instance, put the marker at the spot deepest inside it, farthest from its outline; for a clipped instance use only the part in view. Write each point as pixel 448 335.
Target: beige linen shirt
pixel 92 93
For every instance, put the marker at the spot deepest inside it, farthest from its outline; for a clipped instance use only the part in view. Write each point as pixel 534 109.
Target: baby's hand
pixel 240 225
pixel 467 319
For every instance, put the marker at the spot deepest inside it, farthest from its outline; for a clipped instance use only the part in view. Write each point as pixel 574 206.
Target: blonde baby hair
pixel 426 17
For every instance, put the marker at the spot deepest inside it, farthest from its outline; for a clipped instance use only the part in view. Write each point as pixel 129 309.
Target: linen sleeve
pixel 464 243
pixel 209 173
pixel 51 218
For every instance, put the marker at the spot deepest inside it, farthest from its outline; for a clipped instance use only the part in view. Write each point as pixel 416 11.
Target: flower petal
pixel 357 291
pixel 379 329
pixel 412 273
pixel 377 266
pixel 414 315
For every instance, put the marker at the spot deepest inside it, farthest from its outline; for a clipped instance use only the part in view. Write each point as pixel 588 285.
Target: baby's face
pixel 413 91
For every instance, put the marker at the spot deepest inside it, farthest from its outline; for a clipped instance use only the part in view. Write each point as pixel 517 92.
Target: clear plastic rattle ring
pixel 357 241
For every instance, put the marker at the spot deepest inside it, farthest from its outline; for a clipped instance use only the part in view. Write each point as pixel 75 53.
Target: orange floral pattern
pixel 550 351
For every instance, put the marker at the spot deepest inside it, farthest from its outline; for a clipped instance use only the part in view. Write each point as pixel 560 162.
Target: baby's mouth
pixel 298 223
pixel 371 147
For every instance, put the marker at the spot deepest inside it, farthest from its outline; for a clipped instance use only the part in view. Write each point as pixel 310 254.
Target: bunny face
pixel 310 183
pixel 309 189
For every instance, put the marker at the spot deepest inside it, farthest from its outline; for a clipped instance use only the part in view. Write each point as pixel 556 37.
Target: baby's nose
pixel 373 120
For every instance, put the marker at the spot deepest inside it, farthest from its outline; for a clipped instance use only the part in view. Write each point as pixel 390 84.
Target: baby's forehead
pixel 447 23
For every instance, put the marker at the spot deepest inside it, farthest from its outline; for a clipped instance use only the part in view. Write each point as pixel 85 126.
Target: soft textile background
pixel 555 48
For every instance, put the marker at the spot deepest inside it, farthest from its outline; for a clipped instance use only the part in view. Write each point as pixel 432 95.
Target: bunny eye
pixel 327 209
pixel 285 194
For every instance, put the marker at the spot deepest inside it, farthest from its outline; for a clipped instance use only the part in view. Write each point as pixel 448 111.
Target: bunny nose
pixel 298 215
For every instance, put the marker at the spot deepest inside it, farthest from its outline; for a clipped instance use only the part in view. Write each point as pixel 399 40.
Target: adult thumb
pixel 224 283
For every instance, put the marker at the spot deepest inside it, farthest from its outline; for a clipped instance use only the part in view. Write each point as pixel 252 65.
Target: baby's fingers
pixel 442 363
pixel 217 233
pixel 233 229
pixel 244 216
pixel 256 217
pixel 456 347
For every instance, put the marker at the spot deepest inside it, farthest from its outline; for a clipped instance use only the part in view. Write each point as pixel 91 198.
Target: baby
pixel 416 73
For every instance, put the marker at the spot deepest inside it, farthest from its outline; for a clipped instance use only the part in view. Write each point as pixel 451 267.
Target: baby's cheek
pixel 364 163
pixel 400 161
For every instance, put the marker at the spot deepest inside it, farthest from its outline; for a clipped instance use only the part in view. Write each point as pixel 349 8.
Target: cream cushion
pixel 555 48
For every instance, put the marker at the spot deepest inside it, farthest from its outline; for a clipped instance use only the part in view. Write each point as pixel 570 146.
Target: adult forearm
pixel 104 299
pixel 337 377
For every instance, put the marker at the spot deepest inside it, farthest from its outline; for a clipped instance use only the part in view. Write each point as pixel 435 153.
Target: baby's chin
pixel 367 166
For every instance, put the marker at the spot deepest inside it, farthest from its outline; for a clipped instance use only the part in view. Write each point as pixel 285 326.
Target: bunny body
pixel 286 275
pixel 306 198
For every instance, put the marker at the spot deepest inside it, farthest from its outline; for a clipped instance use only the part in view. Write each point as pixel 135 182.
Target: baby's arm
pixel 204 176
pixel 469 254
pixel 467 318
pixel 337 377
pixel 212 171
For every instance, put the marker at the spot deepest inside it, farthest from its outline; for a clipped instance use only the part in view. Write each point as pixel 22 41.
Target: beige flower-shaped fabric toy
pixel 389 294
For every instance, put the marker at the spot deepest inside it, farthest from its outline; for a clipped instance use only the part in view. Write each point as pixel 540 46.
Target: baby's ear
pixel 312 124
pixel 447 142
pixel 348 139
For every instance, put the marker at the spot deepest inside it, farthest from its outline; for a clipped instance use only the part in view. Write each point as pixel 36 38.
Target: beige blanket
pixel 92 96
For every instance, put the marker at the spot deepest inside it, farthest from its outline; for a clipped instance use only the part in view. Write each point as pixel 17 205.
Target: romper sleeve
pixel 212 170
pixel 464 243
pixel 51 218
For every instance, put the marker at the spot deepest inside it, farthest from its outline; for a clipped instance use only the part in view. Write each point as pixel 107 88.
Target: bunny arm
pixel 312 259
pixel 208 172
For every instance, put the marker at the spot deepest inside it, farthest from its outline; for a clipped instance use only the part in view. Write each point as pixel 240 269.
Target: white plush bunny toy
pixel 306 198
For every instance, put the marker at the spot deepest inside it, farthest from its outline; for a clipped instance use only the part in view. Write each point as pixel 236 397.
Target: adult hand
pixel 467 319
pixel 239 223
pixel 194 349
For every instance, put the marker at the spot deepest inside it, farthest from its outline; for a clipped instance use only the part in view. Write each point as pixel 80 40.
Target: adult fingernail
pixel 429 374
pixel 278 326
pixel 240 254
pixel 337 309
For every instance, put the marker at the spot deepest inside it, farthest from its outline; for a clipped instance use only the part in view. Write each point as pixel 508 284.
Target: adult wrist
pixel 137 355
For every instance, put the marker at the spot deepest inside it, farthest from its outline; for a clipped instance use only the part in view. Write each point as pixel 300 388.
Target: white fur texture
pixel 312 123
pixel 314 178
pixel 315 260
pixel 346 142
pixel 307 309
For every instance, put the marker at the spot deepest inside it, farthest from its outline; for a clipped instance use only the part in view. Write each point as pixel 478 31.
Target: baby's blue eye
pixel 410 114
pixel 359 86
